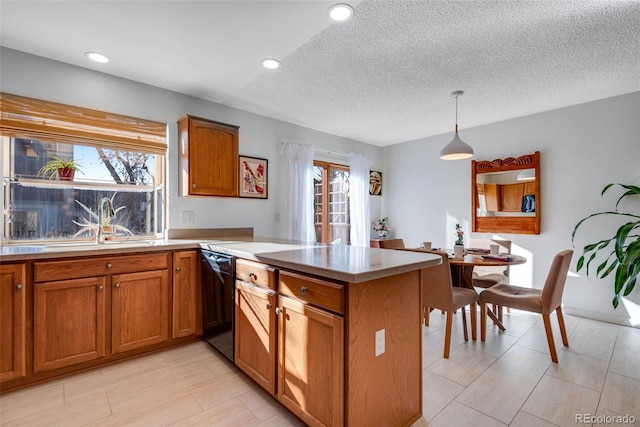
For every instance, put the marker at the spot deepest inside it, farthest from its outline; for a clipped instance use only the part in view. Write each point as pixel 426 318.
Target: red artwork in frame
pixel 253 177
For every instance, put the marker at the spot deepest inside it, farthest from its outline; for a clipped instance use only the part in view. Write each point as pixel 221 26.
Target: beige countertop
pixel 339 262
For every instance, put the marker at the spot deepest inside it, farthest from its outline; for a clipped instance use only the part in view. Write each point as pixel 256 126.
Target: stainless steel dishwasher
pixel 218 301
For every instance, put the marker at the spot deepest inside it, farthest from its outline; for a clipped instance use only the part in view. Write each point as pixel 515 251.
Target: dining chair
pixel 485 277
pixel 543 301
pixel 438 292
pixel 391 243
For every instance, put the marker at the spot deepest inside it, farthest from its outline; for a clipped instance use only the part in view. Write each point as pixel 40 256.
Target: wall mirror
pixel 506 195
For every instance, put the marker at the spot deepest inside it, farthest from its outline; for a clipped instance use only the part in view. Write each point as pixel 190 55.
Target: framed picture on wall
pixel 253 177
pixel 375 183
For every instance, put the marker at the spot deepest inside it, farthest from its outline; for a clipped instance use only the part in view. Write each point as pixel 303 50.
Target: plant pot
pixel 66 174
pixel 383 233
pixel 458 251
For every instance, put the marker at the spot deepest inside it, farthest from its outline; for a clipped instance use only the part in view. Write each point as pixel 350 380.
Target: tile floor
pixel 509 380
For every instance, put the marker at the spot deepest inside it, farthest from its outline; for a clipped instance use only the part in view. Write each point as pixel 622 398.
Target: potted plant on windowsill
pixel 64 169
pixel 109 225
pixel 624 258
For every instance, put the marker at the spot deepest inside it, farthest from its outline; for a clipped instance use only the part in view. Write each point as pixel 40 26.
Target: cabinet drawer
pixel 45 271
pixel 321 293
pixel 256 273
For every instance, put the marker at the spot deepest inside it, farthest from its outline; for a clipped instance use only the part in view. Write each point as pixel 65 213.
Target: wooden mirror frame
pixel 505 224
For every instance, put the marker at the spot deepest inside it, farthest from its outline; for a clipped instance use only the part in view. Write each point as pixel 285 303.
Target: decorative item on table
pixel 253 177
pixel 458 246
pixel 381 227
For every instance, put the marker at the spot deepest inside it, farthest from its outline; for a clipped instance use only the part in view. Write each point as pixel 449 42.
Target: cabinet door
pixel 529 188
pixel 140 309
pixel 256 334
pixel 512 197
pixel 187 299
pixel 12 321
pixel 492 197
pixel 69 322
pixel 212 157
pixel 311 363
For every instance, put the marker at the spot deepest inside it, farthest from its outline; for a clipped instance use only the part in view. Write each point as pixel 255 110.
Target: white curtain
pixel 359 199
pixel 300 161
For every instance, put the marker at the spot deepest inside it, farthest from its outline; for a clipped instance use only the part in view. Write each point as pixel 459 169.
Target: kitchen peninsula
pixel 354 313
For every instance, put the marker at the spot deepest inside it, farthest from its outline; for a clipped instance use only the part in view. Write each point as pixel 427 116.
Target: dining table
pixel 462 270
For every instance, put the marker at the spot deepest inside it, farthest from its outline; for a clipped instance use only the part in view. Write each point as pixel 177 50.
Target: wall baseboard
pixel 619 320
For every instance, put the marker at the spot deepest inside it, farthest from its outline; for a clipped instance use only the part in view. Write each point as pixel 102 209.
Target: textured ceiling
pixel 383 77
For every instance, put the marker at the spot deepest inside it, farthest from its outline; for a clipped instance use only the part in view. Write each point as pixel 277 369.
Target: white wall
pixel 582 148
pixel 37 77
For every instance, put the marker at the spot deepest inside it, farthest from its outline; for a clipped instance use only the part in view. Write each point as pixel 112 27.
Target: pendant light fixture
pixel 457 149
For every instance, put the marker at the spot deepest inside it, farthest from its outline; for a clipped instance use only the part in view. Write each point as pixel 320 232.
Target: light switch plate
pixel 379 342
pixel 188 217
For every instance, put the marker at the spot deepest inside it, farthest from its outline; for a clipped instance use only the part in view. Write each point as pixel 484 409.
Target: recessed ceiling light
pixel 97 57
pixel 270 63
pixel 340 12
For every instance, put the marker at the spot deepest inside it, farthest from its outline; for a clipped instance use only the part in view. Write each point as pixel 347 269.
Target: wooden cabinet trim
pixel 46 271
pixel 322 293
pixel 256 273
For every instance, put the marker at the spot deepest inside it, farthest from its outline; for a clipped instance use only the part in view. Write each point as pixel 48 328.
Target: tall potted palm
pixel 621 251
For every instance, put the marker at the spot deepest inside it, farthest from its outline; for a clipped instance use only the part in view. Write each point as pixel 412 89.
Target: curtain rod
pixel 316 149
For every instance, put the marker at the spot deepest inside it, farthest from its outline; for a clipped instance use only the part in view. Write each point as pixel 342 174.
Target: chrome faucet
pixel 101 211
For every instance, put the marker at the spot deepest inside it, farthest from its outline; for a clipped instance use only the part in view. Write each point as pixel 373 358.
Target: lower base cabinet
pixel 311 363
pixel 13 322
pixel 69 322
pixel 256 344
pixel 140 310
pixel 292 349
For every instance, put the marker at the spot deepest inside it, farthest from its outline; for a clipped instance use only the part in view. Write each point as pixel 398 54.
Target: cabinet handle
pixel 253 276
pixel 193 186
pixel 268 306
pixel 304 290
pixel 109 265
pixel 278 310
pixel 117 285
pixel 177 268
pixel 18 287
pixel 100 287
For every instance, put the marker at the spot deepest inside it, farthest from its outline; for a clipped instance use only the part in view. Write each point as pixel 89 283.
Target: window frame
pixel 29 118
pixel 325 225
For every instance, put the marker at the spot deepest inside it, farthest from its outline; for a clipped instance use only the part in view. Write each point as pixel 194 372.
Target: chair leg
pixel 464 324
pixel 447 334
pixel 552 346
pixel 499 308
pixel 563 330
pixel 474 321
pixel 426 312
pixel 483 321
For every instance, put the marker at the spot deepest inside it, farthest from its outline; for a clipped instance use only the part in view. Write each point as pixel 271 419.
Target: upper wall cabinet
pixel 506 195
pixel 208 157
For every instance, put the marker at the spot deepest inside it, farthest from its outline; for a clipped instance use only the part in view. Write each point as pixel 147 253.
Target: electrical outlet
pixel 188 217
pixel 379 342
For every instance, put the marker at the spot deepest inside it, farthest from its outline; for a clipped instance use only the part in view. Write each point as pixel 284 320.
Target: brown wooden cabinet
pixel 208 157
pixel 292 342
pixel 511 197
pixel 12 321
pixel 529 188
pixel 187 306
pixel 256 334
pixel 139 310
pixel 69 322
pixel 311 363
pixel 79 303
